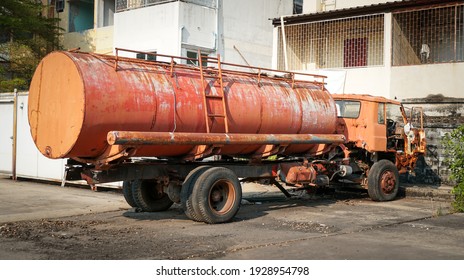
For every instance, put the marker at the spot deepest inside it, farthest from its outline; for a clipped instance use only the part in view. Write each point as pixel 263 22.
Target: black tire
pixel 148 197
pixel 186 193
pixel 217 195
pixel 383 181
pixel 127 192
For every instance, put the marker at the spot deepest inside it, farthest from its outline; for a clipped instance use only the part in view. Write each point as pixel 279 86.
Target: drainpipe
pixel 218 26
pixel 284 41
pixel 15 133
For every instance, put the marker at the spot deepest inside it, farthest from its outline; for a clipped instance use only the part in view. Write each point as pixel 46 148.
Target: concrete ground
pixel 26 200
pixel 42 221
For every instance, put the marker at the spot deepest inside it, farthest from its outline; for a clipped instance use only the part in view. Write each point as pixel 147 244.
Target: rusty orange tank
pixel 76 99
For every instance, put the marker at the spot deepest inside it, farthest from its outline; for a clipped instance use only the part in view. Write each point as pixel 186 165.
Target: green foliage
pixel 10 85
pixel 454 152
pixel 26 36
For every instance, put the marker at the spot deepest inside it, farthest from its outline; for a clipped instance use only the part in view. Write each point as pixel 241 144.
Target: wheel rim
pixel 221 197
pixel 151 190
pixel 388 182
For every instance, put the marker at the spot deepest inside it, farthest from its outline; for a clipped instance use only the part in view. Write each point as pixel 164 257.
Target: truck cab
pixel 382 128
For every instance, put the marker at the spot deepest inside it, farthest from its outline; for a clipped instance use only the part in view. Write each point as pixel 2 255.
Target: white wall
pixel 248 28
pixel 370 80
pixel 342 4
pixel 154 28
pixel 199 28
pixel 422 80
pixel 313 6
pixel 6 132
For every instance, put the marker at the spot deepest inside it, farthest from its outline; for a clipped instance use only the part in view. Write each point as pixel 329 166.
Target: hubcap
pixel 222 197
pixel 387 182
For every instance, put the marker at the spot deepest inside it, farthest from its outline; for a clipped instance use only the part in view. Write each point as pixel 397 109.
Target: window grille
pixel 340 43
pixel 426 36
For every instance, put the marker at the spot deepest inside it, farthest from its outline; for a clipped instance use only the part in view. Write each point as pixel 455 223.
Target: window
pixel 193 55
pixel 381 113
pixel 355 52
pixel 149 57
pixel 59 5
pixel 348 109
pixel 395 114
pixel 297 7
pixel 108 12
pixel 81 16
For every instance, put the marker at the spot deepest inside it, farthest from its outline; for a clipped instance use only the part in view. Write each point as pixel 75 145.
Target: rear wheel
pixel 149 196
pixel 186 193
pixel 383 181
pixel 127 192
pixel 217 195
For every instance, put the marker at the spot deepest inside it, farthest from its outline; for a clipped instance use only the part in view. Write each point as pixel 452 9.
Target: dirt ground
pixel 344 225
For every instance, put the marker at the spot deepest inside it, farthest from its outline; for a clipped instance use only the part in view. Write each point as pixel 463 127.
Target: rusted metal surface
pixel 180 138
pixel 387 182
pixel 77 98
pixel 297 173
pixel 151 170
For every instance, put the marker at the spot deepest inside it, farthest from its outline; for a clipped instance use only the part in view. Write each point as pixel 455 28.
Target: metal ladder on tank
pixel 221 94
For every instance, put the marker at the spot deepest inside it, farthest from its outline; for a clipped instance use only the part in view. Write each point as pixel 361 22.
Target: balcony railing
pixel 124 5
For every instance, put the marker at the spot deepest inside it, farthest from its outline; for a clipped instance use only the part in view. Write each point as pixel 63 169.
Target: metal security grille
pixel 341 43
pixel 123 5
pixel 432 35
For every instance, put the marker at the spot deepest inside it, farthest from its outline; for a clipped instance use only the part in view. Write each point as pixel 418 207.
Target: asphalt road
pixel 41 221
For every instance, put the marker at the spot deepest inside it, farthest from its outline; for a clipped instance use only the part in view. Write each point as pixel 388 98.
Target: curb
pixel 442 193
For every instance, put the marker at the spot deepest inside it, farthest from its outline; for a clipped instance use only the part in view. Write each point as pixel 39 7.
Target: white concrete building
pixel 239 30
pixel 403 49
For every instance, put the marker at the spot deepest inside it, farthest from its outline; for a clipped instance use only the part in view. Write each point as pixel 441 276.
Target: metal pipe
pixel 284 41
pixel 186 138
pixel 15 134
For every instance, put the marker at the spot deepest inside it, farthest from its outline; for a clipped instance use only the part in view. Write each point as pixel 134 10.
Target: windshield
pixel 394 113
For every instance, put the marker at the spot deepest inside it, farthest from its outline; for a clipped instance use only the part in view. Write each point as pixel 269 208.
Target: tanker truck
pixel 191 134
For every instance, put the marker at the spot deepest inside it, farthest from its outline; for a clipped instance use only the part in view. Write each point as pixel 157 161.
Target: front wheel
pixel 217 195
pixel 150 197
pixel 383 181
